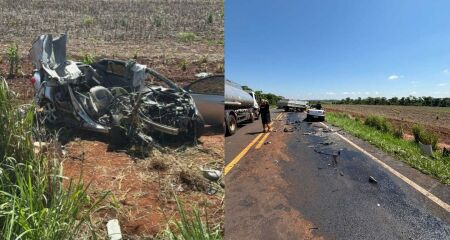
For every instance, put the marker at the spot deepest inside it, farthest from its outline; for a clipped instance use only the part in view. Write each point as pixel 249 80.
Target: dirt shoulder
pixel 141 190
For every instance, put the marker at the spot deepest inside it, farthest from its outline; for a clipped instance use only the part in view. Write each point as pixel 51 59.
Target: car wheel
pixel 49 113
pixel 199 127
pixel 231 125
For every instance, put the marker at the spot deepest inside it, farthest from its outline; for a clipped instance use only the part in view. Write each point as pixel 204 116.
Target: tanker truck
pixel 240 106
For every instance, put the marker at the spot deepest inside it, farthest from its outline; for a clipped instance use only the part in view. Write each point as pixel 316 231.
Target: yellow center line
pixel 236 159
pixel 261 142
pixel 258 146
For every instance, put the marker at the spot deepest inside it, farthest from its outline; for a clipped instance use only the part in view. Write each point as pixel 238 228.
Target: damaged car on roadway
pixel 131 102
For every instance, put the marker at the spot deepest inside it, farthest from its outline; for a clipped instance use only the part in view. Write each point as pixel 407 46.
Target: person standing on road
pixel 264 111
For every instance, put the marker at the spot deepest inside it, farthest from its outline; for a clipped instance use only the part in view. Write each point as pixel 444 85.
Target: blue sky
pixel 329 49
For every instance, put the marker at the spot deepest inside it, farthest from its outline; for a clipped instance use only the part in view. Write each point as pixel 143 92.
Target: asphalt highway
pixel 313 181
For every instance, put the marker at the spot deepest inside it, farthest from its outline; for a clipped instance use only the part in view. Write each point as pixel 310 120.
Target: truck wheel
pixel 252 117
pixel 257 116
pixel 231 125
pixel 286 109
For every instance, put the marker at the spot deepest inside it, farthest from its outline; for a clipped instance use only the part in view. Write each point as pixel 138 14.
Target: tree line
pixel 403 101
pixel 270 97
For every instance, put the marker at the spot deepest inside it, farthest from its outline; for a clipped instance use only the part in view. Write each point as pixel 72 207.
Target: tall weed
pixel 36 200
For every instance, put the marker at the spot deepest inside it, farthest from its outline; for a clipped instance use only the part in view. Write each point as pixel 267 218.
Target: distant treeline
pixel 270 97
pixel 403 101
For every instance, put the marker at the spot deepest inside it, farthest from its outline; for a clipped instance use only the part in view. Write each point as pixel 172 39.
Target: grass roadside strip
pixel 404 150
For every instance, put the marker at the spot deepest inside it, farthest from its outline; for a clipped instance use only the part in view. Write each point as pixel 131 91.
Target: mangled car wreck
pixel 132 103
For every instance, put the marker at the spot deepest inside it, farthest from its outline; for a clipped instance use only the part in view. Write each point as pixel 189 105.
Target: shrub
pixel 36 202
pixel 183 65
pixel 191 226
pixel 425 137
pixel 210 18
pixel 13 58
pixel 88 20
pixel 135 54
pixel 398 132
pixel 158 22
pixel 88 59
pixel 220 68
pixel 379 123
pixel 187 36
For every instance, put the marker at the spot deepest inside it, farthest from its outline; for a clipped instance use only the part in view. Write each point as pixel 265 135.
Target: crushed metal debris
pixel 129 101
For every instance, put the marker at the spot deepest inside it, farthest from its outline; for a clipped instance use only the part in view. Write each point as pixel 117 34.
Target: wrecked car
pixel 208 94
pixel 128 100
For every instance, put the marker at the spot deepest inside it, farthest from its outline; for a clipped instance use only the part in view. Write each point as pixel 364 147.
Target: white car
pixel 315 114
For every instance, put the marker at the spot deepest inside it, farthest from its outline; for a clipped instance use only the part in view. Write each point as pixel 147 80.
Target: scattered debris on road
pixel 326 143
pixel 372 180
pixel 288 129
pixel 268 142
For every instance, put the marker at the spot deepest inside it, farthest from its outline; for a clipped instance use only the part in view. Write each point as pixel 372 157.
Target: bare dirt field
pixel 177 39
pixel 436 119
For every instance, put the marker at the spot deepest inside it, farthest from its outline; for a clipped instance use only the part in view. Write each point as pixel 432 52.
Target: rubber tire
pixel 252 117
pixel 46 104
pixel 231 125
pixel 257 116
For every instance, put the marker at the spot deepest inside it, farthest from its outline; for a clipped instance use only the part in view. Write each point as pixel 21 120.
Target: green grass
pixel 36 201
pixel 190 226
pixel 406 151
pixel 187 37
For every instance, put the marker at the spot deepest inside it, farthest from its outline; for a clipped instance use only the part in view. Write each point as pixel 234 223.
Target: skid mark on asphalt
pixel 420 189
pixel 238 157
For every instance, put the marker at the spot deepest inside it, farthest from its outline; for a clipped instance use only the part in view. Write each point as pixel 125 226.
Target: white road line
pixel 427 194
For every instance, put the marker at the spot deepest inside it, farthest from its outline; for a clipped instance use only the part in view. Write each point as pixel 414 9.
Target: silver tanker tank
pixel 236 97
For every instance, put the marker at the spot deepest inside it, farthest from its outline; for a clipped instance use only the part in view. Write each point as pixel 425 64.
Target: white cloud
pixel 376 92
pixel 413 93
pixel 367 93
pixel 394 77
pixel 442 84
pixel 330 93
pixel 446 71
